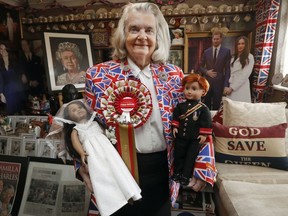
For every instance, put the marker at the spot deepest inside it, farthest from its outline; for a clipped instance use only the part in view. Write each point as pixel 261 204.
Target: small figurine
pixel 112 183
pixel 69 93
pixel 191 126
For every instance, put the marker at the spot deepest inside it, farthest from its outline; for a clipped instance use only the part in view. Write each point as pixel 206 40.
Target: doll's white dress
pixel 113 185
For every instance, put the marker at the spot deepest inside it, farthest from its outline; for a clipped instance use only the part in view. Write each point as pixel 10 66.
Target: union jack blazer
pixel 167 80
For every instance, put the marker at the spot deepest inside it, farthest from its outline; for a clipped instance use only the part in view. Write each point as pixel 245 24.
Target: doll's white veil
pixel 60 119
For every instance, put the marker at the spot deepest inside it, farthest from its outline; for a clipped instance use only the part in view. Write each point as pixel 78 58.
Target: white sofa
pixel 250 191
pixel 245 190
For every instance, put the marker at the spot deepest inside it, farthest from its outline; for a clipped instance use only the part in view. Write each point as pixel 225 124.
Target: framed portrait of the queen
pixel 68 56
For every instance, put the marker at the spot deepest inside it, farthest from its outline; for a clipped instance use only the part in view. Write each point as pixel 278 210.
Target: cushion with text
pixel 260 146
pixel 237 113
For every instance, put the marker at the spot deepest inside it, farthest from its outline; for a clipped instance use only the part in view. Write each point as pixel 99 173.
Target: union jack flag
pixel 266 22
pixel 93 211
pixel 205 163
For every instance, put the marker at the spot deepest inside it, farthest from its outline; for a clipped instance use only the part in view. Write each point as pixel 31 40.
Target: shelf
pixel 116 19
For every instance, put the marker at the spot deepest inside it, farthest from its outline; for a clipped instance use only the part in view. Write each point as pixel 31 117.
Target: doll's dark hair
pixel 67 129
pixel 244 56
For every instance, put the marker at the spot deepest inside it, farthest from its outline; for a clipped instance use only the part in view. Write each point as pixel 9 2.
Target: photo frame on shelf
pixel 30 147
pixel 45 149
pixel 51 187
pixel 197 43
pixel 16 146
pixel 4 145
pixel 13 176
pixel 177 36
pixel 176 56
pixel 58 63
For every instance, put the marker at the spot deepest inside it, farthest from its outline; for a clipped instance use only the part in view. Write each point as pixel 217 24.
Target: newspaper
pixel 43 190
pixel 9 178
pixel 72 199
pixel 52 190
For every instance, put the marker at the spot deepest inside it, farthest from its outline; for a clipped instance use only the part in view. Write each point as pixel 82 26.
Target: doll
pixel 112 183
pixel 191 125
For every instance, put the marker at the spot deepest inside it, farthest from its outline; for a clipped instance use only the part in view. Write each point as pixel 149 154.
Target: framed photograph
pixel 9 27
pixel 30 147
pixel 52 189
pixel 68 55
pixel 177 36
pixel 46 149
pixel 176 56
pixel 4 145
pixel 12 179
pixel 197 43
pixel 16 146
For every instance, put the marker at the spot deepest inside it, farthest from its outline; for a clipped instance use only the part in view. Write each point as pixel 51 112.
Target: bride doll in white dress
pixel 112 183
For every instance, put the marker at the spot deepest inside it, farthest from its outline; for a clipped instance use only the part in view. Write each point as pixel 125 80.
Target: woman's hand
pixel 227 91
pixel 202 139
pixel 197 184
pixel 2 98
pixel 84 158
pixel 84 173
pixel 175 131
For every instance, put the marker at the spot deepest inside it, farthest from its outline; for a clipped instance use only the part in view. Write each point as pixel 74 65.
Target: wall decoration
pixel 176 56
pixel 100 37
pixel 196 43
pixel 177 36
pixel 9 27
pixel 68 55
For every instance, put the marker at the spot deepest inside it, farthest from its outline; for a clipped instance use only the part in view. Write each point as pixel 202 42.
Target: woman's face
pixel 177 35
pixel 69 60
pixel 3 51
pixel 77 112
pixel 8 195
pixel 140 34
pixel 241 45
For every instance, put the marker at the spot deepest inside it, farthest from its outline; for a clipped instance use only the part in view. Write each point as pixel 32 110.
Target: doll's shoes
pixel 184 181
pixel 176 177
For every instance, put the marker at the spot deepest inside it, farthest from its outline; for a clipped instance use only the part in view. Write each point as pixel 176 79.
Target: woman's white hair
pixel 161 53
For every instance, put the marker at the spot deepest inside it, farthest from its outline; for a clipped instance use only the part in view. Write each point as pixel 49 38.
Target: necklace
pixel 72 78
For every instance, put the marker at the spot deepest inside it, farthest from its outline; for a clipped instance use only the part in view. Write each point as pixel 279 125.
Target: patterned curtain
pixel 266 21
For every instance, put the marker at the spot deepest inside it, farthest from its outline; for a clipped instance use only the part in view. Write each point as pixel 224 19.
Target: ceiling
pixel 46 4
pixel 77 4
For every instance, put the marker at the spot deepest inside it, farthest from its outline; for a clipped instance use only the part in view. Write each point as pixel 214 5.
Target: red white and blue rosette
pixel 127 102
pixel 126 105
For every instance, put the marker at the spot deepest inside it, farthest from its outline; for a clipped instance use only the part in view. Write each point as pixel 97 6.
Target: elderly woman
pixel 69 55
pixel 141 49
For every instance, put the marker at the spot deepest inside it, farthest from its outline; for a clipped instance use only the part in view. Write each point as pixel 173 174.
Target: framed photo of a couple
pixel 68 56
pixel 197 43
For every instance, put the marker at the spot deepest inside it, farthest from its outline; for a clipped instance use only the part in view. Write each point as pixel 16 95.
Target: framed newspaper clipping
pixel 52 189
pixel 13 172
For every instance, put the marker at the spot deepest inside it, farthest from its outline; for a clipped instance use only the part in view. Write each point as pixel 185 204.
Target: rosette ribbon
pixel 127 104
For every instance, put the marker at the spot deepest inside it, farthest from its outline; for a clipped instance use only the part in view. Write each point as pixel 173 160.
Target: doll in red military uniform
pixel 191 125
